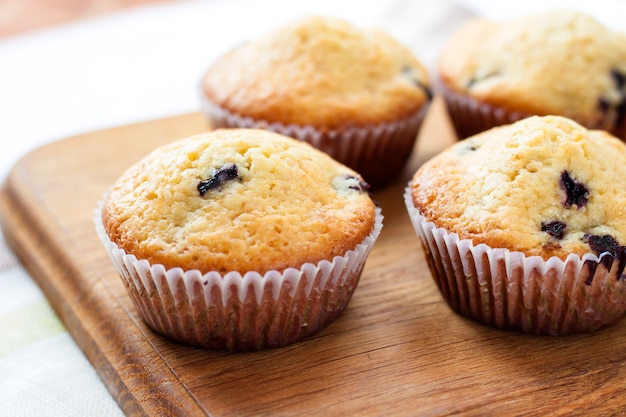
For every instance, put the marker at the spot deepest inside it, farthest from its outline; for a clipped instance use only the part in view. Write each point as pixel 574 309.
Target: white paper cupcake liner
pixel 510 291
pixel 470 116
pixel 377 152
pixel 240 312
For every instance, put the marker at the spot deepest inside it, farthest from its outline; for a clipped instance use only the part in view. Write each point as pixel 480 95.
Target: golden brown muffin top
pixel 543 186
pixel 240 199
pixel 557 62
pixel 320 71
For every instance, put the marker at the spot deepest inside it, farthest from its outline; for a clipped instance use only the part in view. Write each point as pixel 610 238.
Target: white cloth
pixel 42 371
pixel 142 64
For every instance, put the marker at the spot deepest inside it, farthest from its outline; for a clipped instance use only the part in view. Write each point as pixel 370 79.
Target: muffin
pixel 239 239
pixel 354 93
pixel 523 225
pixel 559 62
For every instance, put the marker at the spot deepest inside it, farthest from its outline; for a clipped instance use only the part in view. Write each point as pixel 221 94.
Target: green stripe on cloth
pixel 27 325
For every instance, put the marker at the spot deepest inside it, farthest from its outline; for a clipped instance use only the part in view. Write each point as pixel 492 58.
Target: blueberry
pixel 605 244
pixel 409 72
pixel 601 244
pixel 615 110
pixel 225 173
pixel 478 78
pixel 555 228
pixel 357 184
pixel 619 78
pixel 577 193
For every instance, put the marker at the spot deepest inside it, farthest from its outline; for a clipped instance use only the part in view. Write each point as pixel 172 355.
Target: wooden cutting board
pixel 398 350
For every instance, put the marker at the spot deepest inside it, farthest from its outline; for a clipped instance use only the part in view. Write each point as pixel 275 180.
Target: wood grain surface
pixel 397 350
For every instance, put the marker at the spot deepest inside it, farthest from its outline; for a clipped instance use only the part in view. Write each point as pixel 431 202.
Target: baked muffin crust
pixel 544 186
pixel 238 199
pixel 320 71
pixel 557 62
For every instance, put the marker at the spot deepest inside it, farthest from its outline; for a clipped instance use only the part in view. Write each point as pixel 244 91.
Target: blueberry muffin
pixel 354 93
pixel 524 225
pixel 239 239
pixel 559 62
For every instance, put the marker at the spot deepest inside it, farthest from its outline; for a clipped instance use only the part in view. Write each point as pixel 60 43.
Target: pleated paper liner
pixel 510 291
pixel 241 312
pixel 470 116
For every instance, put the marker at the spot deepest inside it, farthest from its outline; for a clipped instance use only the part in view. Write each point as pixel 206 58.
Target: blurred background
pixel 73 66
pixel 20 16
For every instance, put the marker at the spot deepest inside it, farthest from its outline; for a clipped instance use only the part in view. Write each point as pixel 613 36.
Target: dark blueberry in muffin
pixel 614 113
pixel 409 72
pixel 601 244
pixel 222 175
pixel 427 91
pixel 605 244
pixel 619 78
pixel 357 184
pixel 576 192
pixel 555 228
pixel 470 146
pixel 478 78
pixel 615 110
